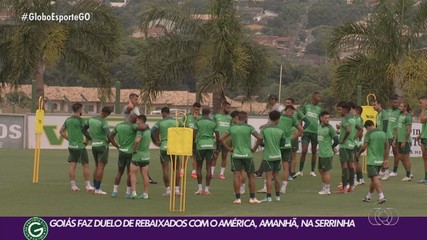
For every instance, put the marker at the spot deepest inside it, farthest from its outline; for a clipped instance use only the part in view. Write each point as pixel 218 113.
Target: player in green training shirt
pixel 190 123
pixel 423 136
pixel 299 116
pixel 272 138
pixel 357 112
pixel 325 135
pixel 73 130
pixel 160 133
pixel 242 157
pixel 223 121
pixel 382 121
pixel 207 145
pixel 376 142
pixel 311 112
pixel 140 159
pixel 403 139
pixel 393 116
pixel 99 132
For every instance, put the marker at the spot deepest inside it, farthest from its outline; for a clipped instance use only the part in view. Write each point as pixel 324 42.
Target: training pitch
pixel 52 195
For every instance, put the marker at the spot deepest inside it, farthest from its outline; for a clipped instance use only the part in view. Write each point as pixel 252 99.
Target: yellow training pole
pixel 39 130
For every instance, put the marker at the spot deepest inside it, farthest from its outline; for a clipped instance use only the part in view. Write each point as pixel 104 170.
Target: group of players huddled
pixel 229 132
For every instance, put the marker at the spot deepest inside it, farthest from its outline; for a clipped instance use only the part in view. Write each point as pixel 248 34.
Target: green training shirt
pixel 190 120
pixel 298 115
pixel 376 140
pixel 325 136
pixel 162 126
pixel 403 121
pixel 393 116
pixel 241 139
pixel 350 121
pixel 424 129
pixel 311 113
pixel 223 122
pixel 272 136
pixel 143 152
pixel 125 132
pixel 381 117
pixel 74 126
pixel 98 130
pixel 286 123
pixel 205 138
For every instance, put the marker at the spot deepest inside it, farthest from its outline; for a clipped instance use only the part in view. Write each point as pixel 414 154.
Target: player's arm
pixel 385 125
pixel 217 140
pixel 346 134
pixel 112 140
pixel 336 141
pixel 306 122
pixel 86 133
pixel 222 140
pixel 259 140
pixel 63 133
pixel 362 149
pixel 129 107
pixel 386 148
pixel 136 143
pixel 155 136
pixel 423 116
pixel 407 134
pixel 297 133
pixel 359 132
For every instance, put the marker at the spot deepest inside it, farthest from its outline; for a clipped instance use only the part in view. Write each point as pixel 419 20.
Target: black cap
pixel 272 96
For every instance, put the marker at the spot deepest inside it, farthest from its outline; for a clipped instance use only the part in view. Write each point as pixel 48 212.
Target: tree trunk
pixel 218 98
pixel 39 77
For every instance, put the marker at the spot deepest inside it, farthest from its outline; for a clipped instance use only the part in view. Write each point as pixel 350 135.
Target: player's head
pixel 225 107
pixel 206 111
pixel 369 124
pixel 196 108
pixel 339 105
pixel 378 105
pixel 422 101
pixel 132 118
pixel 358 110
pixel 243 117
pixel 77 108
pixel 165 112
pixel 235 116
pixel 289 110
pixel 404 107
pixel 289 101
pixel 394 101
pixel 133 97
pixel 345 109
pixel 272 99
pixel 106 111
pixel 324 117
pixel 315 97
pixel 274 116
pixel 141 119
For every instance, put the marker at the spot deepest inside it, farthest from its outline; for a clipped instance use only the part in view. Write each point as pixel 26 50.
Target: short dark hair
pixel 142 117
pixel 225 104
pixel 346 106
pixel 369 123
pixel 274 115
pixel 358 109
pixel 76 107
pixel 234 113
pixel 273 96
pixel 378 101
pixel 352 105
pixel 289 107
pixel 316 93
pixel 422 98
pixel 133 95
pixel 324 113
pixel 197 104
pixel 242 115
pixel 394 97
pixel 165 110
pixel 108 110
pixel 340 103
pixel 408 108
pixel 291 99
pixel 206 111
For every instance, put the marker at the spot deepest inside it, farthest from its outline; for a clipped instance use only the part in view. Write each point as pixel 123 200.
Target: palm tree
pixel 29 47
pixel 213 49
pixel 380 46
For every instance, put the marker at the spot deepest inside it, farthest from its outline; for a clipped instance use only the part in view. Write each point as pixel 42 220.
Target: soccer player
pixel 126 132
pixel 423 136
pixel 140 159
pixel 358 144
pixel 191 121
pixel 376 142
pixel 382 124
pixel 393 116
pixel 311 112
pixel 242 157
pixel 73 130
pixel 347 136
pixel 299 116
pixel 160 132
pixel 325 135
pixel 207 145
pixel 272 137
pixel 223 121
pixel 235 119
pixel 99 132
pixel 288 122
pixel 403 140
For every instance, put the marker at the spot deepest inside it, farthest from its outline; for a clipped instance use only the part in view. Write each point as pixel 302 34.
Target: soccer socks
pixel 408 173
pixel 87 183
pixel 206 188
pixel 200 187
pixel 359 175
pixel 222 171
pixel 116 188
pixel 268 195
pixel 344 177
pixel 96 184
pixel 128 190
pixel 313 165
pixel 369 195
pixel 251 195
pixel 380 195
pixel 351 177
pixel 395 169
pixel 193 171
pixel 327 187
pixel 238 195
pixel 213 171
pixel 73 183
pixel 176 189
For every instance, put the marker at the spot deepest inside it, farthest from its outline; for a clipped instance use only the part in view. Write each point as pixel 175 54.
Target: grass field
pixel 52 196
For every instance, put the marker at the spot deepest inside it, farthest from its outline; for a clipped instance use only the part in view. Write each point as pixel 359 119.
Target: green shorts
pixel 204 154
pixel 165 157
pixel 406 149
pixel 308 137
pixel 222 148
pixel 424 142
pixel 373 170
pixel 346 155
pixel 78 156
pixel 286 154
pixel 124 159
pixel 237 164
pixel 295 145
pixel 355 151
pixel 271 166
pixel 325 164
pixel 100 154
pixel 140 164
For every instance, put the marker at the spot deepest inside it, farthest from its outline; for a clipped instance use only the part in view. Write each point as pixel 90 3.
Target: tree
pixel 29 47
pixel 379 48
pixel 215 51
